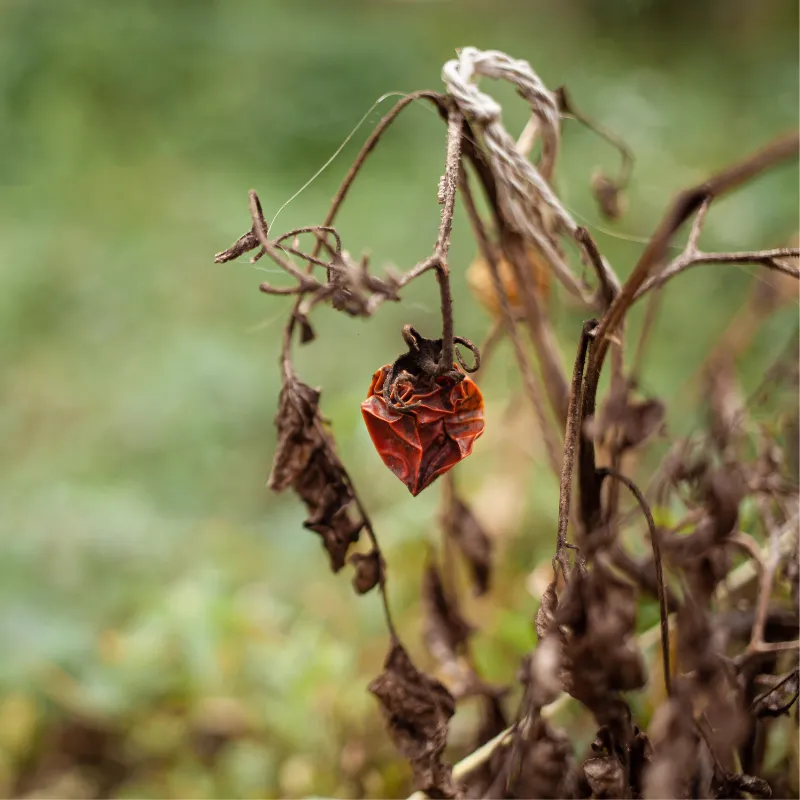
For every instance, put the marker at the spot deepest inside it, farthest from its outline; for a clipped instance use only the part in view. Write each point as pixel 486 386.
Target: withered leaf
pixel 597 613
pixel 298 408
pixel 546 768
pixel 445 629
pixel 306 461
pixel 605 775
pixel 735 784
pixel 643 419
pixel 306 331
pixel 475 544
pixel 780 700
pixel 369 570
pixel 632 422
pixel 725 405
pixel 609 196
pixel 545 616
pixel 417 709
pixel 544 672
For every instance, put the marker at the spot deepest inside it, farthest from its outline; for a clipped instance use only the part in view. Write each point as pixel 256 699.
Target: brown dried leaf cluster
pixel 729 668
pixel 417 710
pixel 306 461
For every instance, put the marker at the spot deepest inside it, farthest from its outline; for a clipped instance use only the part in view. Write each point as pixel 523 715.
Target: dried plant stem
pixel 609 283
pixel 345 185
pixel 662 595
pixel 539 328
pixel 764 258
pixel 552 445
pixel 568 110
pixel 780 684
pixel 387 614
pixel 369 146
pixel 769 566
pixel 646 641
pixel 490 342
pixel 650 314
pixel 570 443
pixel 455 123
pixel 687 204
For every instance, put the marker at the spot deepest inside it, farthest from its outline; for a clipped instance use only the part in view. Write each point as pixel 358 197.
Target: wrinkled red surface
pixel 425 442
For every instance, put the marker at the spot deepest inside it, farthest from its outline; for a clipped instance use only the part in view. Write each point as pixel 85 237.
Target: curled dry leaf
pixel 545 616
pixel 547 765
pixel 543 673
pixel 609 196
pixel 445 633
pixel 605 776
pixel 473 541
pixel 370 570
pixel 781 699
pixel 306 462
pixel 614 769
pixel 352 285
pixel 629 422
pixel 417 710
pixel 702 554
pixel 445 628
pixel 598 611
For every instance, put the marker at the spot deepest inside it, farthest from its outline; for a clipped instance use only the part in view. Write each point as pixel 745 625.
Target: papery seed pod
pixel 422 425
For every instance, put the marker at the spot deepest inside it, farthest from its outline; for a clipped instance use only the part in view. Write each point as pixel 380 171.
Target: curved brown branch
pixel 662 595
pixel 764 258
pixel 686 204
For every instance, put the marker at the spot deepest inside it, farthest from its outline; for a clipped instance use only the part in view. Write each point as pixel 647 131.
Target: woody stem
pixel 448 186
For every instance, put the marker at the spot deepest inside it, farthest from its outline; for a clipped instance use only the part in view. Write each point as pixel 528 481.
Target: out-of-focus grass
pixel 145 569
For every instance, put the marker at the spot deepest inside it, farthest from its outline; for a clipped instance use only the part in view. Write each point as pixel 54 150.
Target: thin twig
pixel 455 125
pixel 539 328
pixel 769 568
pixel 570 443
pixel 687 203
pixel 529 380
pixel 370 533
pixel 793 675
pixel 650 315
pixel 662 595
pixel 305 283
pixel 568 110
pixel 764 258
pixel 345 185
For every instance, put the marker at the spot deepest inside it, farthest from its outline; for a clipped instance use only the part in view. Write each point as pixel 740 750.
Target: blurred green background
pixel 167 627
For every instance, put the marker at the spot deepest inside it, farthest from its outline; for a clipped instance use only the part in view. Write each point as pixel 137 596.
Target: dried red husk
pixel 421 443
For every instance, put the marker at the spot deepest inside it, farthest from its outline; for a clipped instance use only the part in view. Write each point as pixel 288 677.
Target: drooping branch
pixel 662 595
pixel 688 203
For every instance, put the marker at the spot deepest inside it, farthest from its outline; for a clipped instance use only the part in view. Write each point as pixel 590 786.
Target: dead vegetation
pixel 728 632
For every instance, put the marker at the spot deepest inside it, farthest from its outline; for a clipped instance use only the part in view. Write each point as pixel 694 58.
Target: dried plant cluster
pixel 729 659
